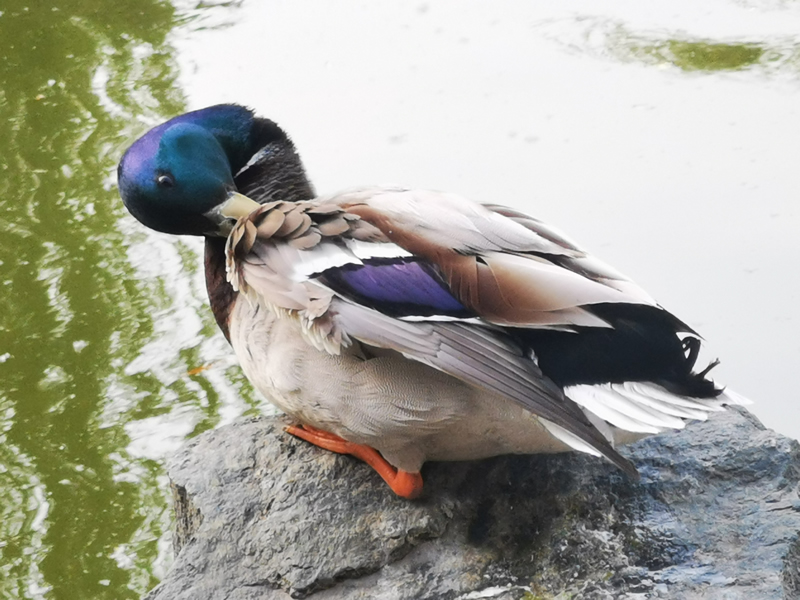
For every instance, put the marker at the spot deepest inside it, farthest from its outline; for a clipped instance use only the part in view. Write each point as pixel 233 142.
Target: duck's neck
pixel 274 170
pixel 221 295
pixel 274 173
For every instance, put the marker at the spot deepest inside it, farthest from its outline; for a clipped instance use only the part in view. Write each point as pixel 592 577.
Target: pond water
pixel 663 136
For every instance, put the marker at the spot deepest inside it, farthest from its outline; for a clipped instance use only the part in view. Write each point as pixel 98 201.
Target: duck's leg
pixel 404 484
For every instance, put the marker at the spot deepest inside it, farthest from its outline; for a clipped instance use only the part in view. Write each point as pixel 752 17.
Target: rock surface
pixel 262 516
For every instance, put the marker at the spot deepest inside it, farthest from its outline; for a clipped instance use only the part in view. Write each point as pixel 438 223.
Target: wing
pixel 343 277
pixel 579 261
pixel 509 269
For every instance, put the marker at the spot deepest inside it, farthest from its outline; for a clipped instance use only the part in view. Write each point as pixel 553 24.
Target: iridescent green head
pixel 176 176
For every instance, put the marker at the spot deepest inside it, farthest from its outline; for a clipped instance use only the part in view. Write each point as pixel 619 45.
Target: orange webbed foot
pixel 404 484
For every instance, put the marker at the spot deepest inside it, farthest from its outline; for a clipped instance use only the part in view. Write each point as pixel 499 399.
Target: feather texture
pixel 418 323
pixel 454 285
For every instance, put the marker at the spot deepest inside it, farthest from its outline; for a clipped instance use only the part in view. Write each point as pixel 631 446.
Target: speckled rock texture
pixel 262 516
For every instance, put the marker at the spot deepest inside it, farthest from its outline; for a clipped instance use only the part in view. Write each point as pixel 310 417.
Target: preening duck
pixel 401 326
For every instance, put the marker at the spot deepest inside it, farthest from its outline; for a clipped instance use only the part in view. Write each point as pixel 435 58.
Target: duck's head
pixel 179 177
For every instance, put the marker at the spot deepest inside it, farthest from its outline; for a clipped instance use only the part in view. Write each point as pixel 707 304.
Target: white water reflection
pixel 685 180
pixel 182 324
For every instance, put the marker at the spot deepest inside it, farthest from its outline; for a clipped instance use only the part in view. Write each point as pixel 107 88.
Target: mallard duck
pixel 402 326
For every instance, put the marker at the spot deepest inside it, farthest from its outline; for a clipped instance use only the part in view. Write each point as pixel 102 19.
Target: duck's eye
pixel 165 181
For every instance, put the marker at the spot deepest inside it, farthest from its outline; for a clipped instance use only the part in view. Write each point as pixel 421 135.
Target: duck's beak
pixel 235 207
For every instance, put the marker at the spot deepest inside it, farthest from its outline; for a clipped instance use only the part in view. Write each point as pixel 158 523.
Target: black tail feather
pixel 644 343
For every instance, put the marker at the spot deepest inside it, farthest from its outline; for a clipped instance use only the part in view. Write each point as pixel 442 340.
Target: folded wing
pixel 347 274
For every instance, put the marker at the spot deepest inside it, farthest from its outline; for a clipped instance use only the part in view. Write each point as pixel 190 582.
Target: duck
pixel 402 326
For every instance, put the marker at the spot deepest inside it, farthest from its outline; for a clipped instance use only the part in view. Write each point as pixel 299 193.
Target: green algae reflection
pixel 699 55
pixel 81 514
pixel 703 56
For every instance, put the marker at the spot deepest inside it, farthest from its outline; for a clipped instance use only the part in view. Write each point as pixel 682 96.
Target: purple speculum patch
pixel 399 287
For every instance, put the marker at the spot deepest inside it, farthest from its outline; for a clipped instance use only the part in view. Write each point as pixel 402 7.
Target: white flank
pixel 653 390
pixel 443 318
pixel 325 255
pixel 645 407
pixel 592 398
pixel 661 400
pixel 639 411
pixel 365 250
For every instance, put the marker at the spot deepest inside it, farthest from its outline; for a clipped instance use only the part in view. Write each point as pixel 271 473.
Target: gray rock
pixel 263 516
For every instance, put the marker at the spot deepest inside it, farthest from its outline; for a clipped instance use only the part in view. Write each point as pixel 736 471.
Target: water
pixel 99 322
pixel 664 137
